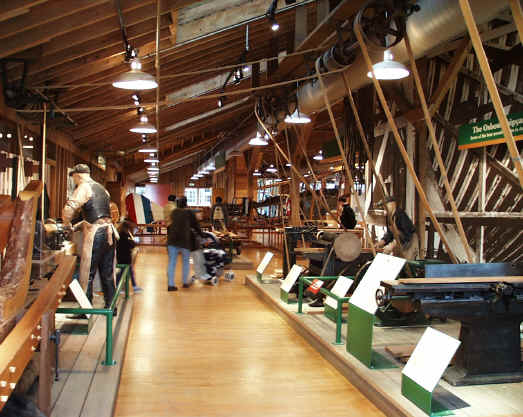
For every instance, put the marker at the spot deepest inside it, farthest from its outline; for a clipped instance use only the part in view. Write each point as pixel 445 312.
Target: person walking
pixel 181 238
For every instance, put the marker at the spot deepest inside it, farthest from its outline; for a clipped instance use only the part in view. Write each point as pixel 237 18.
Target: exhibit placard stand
pixel 424 369
pixel 288 282
pixel 340 289
pixel 362 309
pixel 262 266
pixel 79 327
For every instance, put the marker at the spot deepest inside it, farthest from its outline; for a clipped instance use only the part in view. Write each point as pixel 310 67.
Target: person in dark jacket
pixel 406 231
pixel 181 238
pixel 347 216
pixel 124 252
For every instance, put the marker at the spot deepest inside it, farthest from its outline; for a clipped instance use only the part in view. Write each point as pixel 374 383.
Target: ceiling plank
pixel 134 12
pixel 45 13
pixel 45 33
pixel 14 8
pixel 105 44
pixel 97 61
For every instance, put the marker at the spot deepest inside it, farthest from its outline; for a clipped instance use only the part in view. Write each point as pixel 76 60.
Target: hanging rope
pixel 314 177
pixel 302 178
pixel 344 158
pixel 437 151
pixel 403 151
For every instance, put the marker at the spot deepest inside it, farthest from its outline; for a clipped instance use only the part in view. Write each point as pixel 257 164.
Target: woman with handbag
pixel 181 238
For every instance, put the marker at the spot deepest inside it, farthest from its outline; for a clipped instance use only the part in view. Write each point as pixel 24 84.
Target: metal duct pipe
pixel 437 22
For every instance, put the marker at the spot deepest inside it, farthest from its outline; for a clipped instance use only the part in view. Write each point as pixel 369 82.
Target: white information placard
pixel 341 287
pixel 265 261
pixel 79 294
pixel 384 267
pixel 430 358
pixel 291 278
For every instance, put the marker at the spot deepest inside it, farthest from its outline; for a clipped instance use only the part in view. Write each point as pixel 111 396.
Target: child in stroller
pixel 209 261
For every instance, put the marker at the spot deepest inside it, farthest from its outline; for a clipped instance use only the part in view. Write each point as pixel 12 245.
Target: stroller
pixel 211 260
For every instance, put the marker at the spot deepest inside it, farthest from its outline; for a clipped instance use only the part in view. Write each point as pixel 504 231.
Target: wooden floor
pixel 220 351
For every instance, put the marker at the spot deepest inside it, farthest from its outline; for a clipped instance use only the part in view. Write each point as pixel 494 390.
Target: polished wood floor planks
pixel 220 351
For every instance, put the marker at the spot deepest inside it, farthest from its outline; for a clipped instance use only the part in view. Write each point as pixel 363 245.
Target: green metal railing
pixel 107 312
pixel 339 300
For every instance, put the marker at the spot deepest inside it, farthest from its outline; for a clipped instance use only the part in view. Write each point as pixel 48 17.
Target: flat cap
pixel 80 169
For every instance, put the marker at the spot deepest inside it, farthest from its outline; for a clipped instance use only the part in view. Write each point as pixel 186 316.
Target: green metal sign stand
pixel 359 339
pixel 285 297
pixel 422 398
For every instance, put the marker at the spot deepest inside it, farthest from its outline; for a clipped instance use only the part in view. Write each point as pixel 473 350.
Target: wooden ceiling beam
pixel 210 125
pixel 42 34
pixel 121 129
pixel 101 65
pixel 196 48
pixel 97 61
pixel 325 28
pixel 45 13
pixel 14 8
pixel 106 45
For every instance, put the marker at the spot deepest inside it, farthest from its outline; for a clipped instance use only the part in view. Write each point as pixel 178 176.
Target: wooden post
pixel 45 377
pixel 482 191
pixel 399 142
pixel 294 191
pixel 437 151
pixel 286 157
pixel 421 159
pixel 44 157
pixel 344 158
pixel 517 14
pixel 315 178
pixel 157 66
pixel 491 85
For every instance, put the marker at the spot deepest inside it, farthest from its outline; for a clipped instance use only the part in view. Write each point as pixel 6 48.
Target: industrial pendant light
pixel 297 118
pixel 388 69
pixel 135 79
pixel 318 156
pixel 144 126
pixel 271 169
pixel 148 150
pixel 258 140
pixel 256 173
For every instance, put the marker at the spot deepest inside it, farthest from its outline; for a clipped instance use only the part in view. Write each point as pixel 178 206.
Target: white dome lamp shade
pixel 144 126
pixel 297 117
pixel 388 69
pixel 258 140
pixel 271 169
pixel 135 79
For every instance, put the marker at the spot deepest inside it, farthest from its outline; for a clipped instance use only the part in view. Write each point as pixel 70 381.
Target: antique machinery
pixel 488 301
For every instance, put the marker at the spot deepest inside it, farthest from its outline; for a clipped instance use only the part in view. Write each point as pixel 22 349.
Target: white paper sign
pixel 340 289
pixel 291 278
pixel 384 267
pixel 79 294
pixel 430 358
pixel 265 261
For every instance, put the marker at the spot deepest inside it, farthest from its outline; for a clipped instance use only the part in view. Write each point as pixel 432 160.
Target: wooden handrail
pixel 18 347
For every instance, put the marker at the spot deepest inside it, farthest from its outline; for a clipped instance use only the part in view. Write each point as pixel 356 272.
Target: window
pixel 267 188
pixel 199 197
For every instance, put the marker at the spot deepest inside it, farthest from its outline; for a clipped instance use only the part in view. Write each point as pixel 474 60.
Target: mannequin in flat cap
pixel 405 231
pixel 98 246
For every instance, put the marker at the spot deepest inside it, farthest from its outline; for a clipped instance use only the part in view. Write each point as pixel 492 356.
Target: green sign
pixel 488 132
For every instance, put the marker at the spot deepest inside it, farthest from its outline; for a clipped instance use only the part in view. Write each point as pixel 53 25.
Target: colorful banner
pixel 488 132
